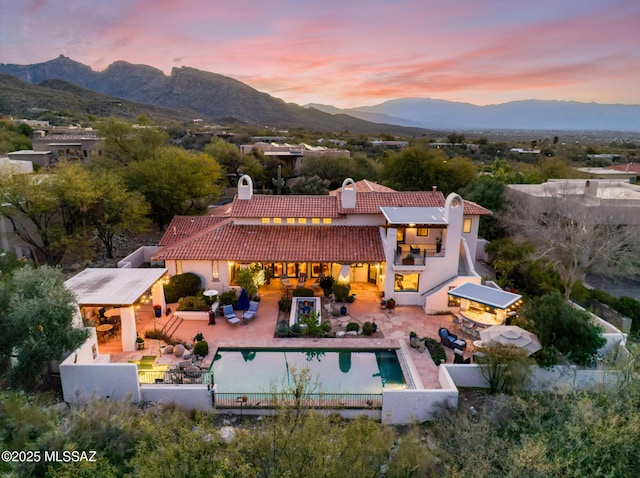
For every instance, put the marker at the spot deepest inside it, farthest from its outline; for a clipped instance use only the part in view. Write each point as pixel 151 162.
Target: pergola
pixel 497 299
pixel 123 288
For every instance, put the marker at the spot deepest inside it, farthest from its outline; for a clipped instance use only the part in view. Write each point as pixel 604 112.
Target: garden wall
pixel 191 396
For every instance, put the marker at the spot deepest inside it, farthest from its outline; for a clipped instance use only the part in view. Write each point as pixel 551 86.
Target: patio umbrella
pixel 511 335
pixel 243 300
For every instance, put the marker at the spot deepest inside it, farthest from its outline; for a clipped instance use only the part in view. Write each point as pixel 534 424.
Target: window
pixel 291 220
pixel 277 220
pixel 266 220
pixel 302 220
pixel 422 231
pixel 178 267
pixel 215 273
pixel 315 220
pixel 326 220
pixel 406 282
pixel 466 227
pixel 400 236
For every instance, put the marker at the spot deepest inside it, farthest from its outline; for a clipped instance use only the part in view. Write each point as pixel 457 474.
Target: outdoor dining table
pixel 482 319
pixel 112 313
pixel 104 329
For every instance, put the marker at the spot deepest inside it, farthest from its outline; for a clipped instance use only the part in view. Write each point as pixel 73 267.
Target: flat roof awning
pixel 113 286
pixel 414 215
pixel 485 295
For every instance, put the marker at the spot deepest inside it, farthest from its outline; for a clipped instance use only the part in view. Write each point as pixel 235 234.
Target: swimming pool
pixel 335 371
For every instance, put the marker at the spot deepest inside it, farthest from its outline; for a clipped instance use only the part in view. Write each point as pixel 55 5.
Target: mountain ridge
pixel 211 95
pixel 520 114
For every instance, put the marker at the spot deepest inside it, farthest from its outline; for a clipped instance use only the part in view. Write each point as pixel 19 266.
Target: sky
pixel 351 53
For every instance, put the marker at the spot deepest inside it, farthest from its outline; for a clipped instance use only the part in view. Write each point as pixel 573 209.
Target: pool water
pixel 334 371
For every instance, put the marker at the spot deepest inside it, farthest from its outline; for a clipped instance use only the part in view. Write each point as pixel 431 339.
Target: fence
pixel 175 376
pixel 312 400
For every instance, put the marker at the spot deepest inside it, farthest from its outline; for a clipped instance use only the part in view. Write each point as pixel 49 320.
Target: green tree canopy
pixel 313 185
pixel 417 168
pixel 38 324
pixel 489 193
pixel 175 182
pixel 124 144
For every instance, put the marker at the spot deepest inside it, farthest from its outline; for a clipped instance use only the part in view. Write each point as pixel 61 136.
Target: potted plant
pixel 139 342
pixel 157 310
pixel 391 303
pixel 326 284
pixel 408 259
pixel 198 337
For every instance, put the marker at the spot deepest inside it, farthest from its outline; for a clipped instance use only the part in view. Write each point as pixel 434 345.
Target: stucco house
pixel 412 245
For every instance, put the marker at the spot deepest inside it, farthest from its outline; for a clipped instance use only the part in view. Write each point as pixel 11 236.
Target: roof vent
pixel 434 188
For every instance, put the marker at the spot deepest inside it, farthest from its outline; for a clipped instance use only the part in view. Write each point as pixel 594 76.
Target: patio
pixel 393 325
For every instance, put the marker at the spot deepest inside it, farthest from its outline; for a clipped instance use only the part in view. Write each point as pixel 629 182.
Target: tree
pixel 30 203
pixel 38 324
pixel 489 193
pixel 124 144
pixel 506 368
pixel 313 185
pixel 334 170
pixel 572 237
pixel 117 210
pixel 417 168
pixel 561 327
pixel 175 182
pixel 226 154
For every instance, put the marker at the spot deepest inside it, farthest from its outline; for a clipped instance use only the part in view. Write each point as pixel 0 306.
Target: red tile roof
pixel 285 206
pixel 365 186
pixel 182 227
pixel 245 243
pixel 634 167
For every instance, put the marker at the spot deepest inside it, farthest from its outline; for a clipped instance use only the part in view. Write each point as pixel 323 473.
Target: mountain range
pixel 527 115
pixel 195 93
pixel 208 95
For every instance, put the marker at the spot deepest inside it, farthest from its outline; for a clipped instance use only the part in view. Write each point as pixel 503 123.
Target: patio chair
pixel 301 280
pixel 451 340
pixel 227 310
pixel 253 310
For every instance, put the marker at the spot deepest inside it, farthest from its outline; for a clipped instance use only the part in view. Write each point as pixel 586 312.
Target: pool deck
pixel 393 326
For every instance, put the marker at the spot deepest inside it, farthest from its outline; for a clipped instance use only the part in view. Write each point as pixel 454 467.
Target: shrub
pixel 192 303
pixel 295 329
pixel 282 329
pixel 158 334
pixel 367 328
pixel 353 327
pixel 506 368
pixel 326 284
pixel 559 325
pixel 245 279
pixel 303 292
pixel 201 348
pixel 182 285
pixel 284 304
pixel 228 298
pixel 341 291
pixel 436 350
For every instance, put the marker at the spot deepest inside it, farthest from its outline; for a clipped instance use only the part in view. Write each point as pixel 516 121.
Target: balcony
pixel 419 253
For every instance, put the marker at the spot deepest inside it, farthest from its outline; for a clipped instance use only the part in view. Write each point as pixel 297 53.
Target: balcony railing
pixel 313 400
pixel 175 376
pixel 419 258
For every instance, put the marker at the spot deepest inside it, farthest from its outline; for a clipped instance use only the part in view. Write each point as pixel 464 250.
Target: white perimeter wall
pixel 194 397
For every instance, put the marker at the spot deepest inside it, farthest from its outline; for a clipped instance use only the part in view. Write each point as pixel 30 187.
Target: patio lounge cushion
pixel 227 310
pixel 451 340
pixel 253 310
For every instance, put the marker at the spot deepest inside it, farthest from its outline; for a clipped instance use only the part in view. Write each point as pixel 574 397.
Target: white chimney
pixel 348 194
pixel 245 187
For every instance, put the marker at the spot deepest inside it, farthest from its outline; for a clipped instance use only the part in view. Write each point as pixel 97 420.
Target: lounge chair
pixel 451 340
pixel 227 310
pixel 253 310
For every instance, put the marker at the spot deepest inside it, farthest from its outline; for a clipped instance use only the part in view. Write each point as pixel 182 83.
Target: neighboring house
pixel 293 155
pixel 615 199
pixel 610 172
pixel 629 168
pixel 70 147
pixel 413 245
